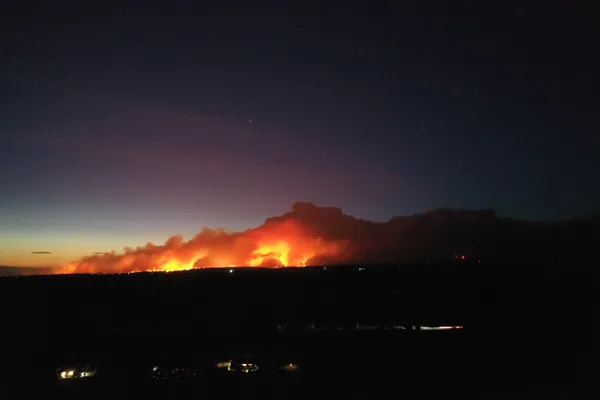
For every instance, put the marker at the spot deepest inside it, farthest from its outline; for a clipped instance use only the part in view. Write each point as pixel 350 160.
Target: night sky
pixel 121 125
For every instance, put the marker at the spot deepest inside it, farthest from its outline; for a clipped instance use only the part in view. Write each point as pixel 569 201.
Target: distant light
pixel 67 374
pixel 290 367
pixel 463 257
pixel 88 374
pixel 242 367
pixel 155 369
pixel 361 269
pixel 231 271
pixel 223 364
pixel 248 367
pixel 441 328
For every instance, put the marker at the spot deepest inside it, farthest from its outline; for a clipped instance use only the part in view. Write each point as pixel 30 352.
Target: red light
pixel 463 257
pixel 459 327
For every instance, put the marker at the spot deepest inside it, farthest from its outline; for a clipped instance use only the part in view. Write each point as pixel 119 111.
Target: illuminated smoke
pixel 311 235
pixel 280 242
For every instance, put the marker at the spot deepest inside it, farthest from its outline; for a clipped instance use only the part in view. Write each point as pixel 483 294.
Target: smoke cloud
pixel 311 235
pixel 279 242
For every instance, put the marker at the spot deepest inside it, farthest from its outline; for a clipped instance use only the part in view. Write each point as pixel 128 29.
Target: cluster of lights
pixel 366 327
pixel 72 374
pixel 241 367
pixel 171 373
pixel 67 374
pixel 224 364
pixel 247 367
pixel 441 328
pixel 159 373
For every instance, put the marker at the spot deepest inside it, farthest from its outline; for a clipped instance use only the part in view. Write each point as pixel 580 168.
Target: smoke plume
pixel 311 235
pixel 279 242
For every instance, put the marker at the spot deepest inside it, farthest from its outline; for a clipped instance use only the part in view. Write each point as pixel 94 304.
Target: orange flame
pixel 274 244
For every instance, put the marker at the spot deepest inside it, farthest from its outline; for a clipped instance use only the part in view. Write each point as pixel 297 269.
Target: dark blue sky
pixel 121 124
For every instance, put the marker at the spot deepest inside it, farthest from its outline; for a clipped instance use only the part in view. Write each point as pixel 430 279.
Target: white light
pixel 231 271
pixel 441 328
pixel 155 369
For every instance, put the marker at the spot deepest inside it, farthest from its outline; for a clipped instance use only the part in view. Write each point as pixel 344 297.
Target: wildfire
pixel 175 265
pixel 278 252
pixel 272 245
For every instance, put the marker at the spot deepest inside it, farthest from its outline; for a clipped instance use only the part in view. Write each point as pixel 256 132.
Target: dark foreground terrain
pixel 352 332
